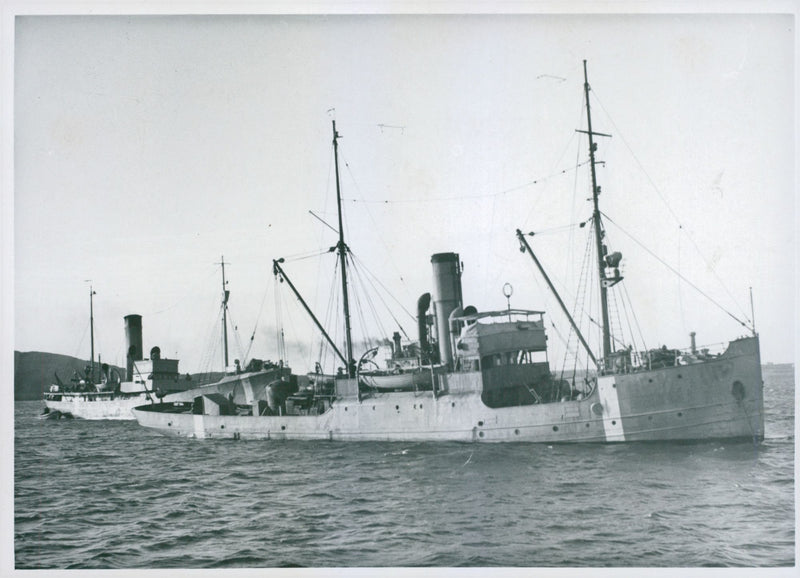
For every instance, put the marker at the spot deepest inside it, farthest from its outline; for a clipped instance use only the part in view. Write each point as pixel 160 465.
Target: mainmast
pixel 598 225
pixel 342 249
pixel 225 295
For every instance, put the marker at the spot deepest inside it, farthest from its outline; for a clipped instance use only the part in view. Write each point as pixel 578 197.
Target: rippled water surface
pixel 113 495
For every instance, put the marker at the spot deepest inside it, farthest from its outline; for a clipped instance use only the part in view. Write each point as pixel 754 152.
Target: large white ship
pixel 488 379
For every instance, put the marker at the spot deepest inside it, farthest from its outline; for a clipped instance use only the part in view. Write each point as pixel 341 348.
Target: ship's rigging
pixel 620 334
pixel 350 295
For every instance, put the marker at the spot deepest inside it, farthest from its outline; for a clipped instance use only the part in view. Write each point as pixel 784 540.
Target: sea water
pixel 105 495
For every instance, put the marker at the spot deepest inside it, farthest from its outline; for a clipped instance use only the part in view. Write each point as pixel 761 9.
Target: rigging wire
pixel 258 318
pixel 577 199
pixel 366 338
pixel 192 290
pixel 80 343
pixel 237 338
pixel 307 255
pixel 375 279
pixel 635 318
pixel 680 293
pixel 564 150
pixel 330 320
pixel 536 181
pixel 617 333
pixel 633 336
pixel 669 208
pixel 287 319
pixel 278 318
pixel 373 220
pixel 671 268
pixel 210 350
pixel 363 295
pixel 580 299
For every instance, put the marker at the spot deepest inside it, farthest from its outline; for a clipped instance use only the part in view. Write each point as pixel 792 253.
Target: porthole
pixel 373 408
pixel 555 428
pixel 680 376
pixel 516 432
pixel 345 408
pixel 452 404
pixel 587 425
pixel 397 407
pixel 480 434
pixel 650 418
pixel 650 381
pixel 222 426
pixel 680 414
pixel 480 423
pixel 283 427
pixel 169 424
pixel 613 422
pixel 614 385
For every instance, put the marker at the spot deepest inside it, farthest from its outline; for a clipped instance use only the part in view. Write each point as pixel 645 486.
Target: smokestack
pixel 423 303
pixel 694 345
pixel 133 341
pixel 447 285
pixel 398 350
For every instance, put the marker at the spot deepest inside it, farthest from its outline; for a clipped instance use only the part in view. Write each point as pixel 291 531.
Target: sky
pixel 147 147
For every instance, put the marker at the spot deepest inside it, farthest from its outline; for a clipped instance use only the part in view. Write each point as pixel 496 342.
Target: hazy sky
pixel 145 147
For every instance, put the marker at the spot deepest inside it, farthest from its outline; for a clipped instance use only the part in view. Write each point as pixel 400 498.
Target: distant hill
pixel 34 372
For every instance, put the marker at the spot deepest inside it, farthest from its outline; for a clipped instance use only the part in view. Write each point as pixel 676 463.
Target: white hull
pixel 91 406
pixel 692 402
pixel 105 405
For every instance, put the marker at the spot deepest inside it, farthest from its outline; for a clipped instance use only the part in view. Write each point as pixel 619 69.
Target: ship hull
pixel 241 388
pixel 719 398
pixel 93 406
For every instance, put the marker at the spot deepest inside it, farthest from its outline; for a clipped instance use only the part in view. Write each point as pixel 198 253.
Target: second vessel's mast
pixel 342 248
pixel 225 295
pixel 91 329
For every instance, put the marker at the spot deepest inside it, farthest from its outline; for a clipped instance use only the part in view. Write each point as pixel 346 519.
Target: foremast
pixel 598 224
pixel 342 249
pixel 604 260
